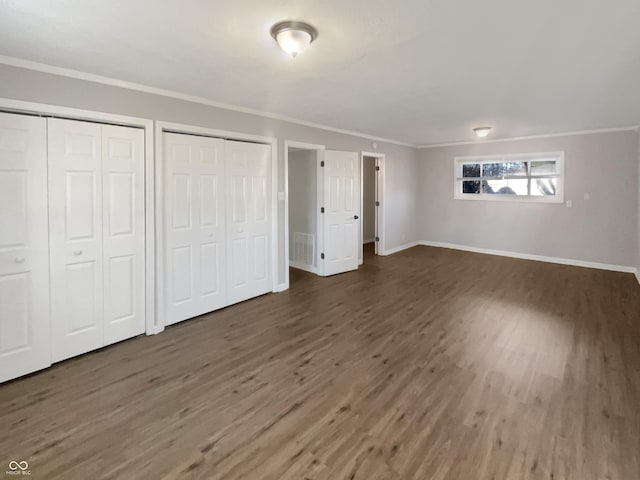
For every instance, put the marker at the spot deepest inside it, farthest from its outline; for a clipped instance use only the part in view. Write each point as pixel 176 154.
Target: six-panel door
pixel 342 211
pixel 194 212
pixel 96 224
pixel 24 266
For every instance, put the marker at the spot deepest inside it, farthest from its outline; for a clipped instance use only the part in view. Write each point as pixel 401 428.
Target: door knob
pixel 355 217
pixel 77 253
pixel 19 259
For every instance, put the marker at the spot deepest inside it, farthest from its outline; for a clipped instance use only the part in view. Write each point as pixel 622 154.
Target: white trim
pixel 303 266
pixel 90 77
pixel 555 199
pixel 160 128
pixel 528 256
pixel 379 193
pixel 18 106
pixel 632 128
pixel 368 240
pixel 638 275
pixel 305 146
pixel 391 251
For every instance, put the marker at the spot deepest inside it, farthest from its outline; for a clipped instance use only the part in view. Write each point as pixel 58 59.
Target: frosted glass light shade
pixel 482 131
pixel 293 37
pixel 293 41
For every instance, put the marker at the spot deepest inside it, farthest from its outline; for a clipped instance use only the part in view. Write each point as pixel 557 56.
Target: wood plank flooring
pixel 428 364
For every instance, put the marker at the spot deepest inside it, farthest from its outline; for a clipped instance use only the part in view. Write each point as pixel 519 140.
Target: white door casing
pixel 194 212
pixel 341 200
pixel 75 217
pixel 248 182
pixel 123 232
pixel 24 266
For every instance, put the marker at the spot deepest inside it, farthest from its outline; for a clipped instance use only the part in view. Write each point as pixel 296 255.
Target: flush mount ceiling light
pixel 293 37
pixel 482 131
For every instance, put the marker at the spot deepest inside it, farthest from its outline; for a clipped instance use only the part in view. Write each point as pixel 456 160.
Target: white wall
pixel 368 199
pixel 303 201
pixel 401 161
pixel 602 229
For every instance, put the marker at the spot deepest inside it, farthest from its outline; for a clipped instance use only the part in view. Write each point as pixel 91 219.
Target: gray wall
pixel 602 229
pixel 22 84
pixel 638 214
pixel 368 199
pixel 303 190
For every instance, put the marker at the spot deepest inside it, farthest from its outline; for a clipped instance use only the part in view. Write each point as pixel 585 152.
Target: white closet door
pixel 194 226
pixel 248 183
pixel 24 264
pixel 123 228
pixel 342 208
pixel 75 217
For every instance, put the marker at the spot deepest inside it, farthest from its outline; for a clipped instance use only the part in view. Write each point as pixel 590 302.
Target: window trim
pixel 457 190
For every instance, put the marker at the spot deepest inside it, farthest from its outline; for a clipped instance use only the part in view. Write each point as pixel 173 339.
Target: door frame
pixel 160 128
pixel 45 110
pixel 319 183
pixel 379 189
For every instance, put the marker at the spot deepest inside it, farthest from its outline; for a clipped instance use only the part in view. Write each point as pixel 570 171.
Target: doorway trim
pixel 304 146
pixel 162 127
pixel 379 189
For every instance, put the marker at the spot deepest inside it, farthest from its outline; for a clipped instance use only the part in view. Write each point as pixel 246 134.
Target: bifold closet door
pixel 96 223
pixel 248 182
pixel 25 343
pixel 123 232
pixel 195 262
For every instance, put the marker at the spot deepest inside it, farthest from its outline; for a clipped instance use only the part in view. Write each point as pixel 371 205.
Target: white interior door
pixel 341 227
pixel 25 344
pixel 75 217
pixel 124 235
pixel 194 226
pixel 248 182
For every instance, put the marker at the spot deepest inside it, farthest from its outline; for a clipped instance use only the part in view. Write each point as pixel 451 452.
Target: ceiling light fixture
pixel 482 131
pixel 293 37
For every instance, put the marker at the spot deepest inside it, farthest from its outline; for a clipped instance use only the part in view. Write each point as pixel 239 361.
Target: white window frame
pixel 457 179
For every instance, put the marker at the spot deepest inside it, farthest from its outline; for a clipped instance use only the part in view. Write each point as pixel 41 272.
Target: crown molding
pixel 114 82
pixel 632 128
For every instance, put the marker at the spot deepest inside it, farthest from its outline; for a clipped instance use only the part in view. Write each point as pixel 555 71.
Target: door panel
pixel 342 205
pixel 123 232
pixel 194 231
pixel 75 217
pixel 248 219
pixel 25 344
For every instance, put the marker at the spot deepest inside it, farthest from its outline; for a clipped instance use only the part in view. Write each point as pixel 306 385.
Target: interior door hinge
pixel 377 204
pixel 322 256
pixel 322 163
pixel 377 168
pixel 321 209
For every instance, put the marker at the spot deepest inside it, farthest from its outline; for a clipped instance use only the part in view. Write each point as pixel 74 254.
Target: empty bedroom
pixel 302 240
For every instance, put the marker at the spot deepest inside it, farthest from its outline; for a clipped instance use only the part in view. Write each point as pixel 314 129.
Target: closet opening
pixel 304 209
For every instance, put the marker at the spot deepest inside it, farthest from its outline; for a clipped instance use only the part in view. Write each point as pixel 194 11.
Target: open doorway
pixel 371 233
pixel 302 174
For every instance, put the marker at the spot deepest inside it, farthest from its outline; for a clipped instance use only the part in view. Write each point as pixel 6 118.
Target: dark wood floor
pixel 428 364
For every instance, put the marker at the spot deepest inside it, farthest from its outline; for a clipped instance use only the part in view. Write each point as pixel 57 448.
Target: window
pixel 528 177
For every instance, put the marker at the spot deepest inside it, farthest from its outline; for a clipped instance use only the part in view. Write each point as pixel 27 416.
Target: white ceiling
pixel 417 71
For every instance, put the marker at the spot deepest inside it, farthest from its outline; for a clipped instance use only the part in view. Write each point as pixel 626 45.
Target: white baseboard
pixel 638 275
pixel 391 251
pixel 280 288
pixel 303 266
pixel 369 240
pixel 527 256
